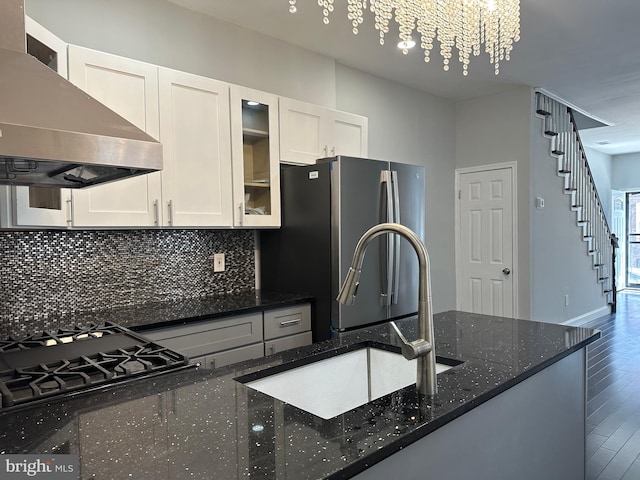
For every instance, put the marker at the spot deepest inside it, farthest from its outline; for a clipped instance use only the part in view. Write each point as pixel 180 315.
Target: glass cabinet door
pixel 43 206
pixel 255 150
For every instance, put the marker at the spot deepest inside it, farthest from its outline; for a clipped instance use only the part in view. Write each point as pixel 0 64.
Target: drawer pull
pixel 287 323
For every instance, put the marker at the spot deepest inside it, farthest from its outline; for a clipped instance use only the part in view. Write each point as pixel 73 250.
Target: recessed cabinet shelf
pixel 257 184
pixel 251 136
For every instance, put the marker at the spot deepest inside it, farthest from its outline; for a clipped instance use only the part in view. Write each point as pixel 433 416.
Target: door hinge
pixel 459 194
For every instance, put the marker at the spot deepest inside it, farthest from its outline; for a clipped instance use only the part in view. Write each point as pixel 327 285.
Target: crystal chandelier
pixel 463 24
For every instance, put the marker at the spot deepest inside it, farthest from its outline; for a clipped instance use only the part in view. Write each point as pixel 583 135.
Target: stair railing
pixel 567 147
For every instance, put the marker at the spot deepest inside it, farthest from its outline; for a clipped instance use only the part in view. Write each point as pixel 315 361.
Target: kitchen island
pixel 518 380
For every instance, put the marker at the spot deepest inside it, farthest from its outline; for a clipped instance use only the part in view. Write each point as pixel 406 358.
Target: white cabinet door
pixel 196 139
pixel 40 206
pixel 351 134
pixel 130 88
pixel 256 165
pixel 303 132
pixel 309 132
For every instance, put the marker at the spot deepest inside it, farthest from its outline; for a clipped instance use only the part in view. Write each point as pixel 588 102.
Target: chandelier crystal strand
pixel 406 21
pixel 466 25
pixel 426 28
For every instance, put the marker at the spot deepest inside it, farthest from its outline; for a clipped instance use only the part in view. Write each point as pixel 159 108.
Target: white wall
pixel 495 129
pixel 404 124
pixel 412 127
pixel 601 165
pixel 163 33
pixel 626 172
pixel 552 258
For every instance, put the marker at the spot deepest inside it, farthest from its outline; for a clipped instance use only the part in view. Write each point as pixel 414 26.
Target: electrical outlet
pixel 218 262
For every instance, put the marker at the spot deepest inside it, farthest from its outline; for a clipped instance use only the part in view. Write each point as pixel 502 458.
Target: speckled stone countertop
pixel 161 314
pixel 197 424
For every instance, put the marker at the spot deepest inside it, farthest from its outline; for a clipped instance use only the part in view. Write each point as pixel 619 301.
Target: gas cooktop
pixel 69 360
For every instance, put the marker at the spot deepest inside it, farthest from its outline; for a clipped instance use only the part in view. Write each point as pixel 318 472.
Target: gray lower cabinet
pixel 285 343
pixel 287 321
pixel 222 341
pixel 287 328
pixel 215 342
pixel 220 359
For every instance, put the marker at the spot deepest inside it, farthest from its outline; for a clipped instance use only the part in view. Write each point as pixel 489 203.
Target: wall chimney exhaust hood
pixel 51 132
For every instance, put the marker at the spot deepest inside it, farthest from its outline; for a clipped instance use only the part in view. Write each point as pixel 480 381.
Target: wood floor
pixel 613 397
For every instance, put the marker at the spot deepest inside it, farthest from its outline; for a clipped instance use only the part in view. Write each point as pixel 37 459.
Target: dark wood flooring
pixel 613 395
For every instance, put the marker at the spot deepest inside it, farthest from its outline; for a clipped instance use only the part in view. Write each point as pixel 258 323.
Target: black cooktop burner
pixel 53 363
pixel 61 336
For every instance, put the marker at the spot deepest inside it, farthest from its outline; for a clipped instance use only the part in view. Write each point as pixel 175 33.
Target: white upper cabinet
pixel 194 131
pixel 350 134
pixel 222 147
pixel 256 165
pixel 309 132
pixel 130 88
pixel 39 206
pixel 304 132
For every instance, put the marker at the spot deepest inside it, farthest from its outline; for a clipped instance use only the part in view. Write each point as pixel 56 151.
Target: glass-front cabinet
pixel 255 151
pixel 38 206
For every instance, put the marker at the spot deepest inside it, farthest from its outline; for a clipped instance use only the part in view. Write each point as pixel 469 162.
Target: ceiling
pixel 587 52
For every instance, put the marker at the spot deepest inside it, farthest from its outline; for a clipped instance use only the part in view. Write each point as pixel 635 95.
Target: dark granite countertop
pixel 204 424
pixel 162 314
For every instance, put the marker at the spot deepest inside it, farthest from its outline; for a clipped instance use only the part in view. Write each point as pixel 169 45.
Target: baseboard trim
pixel 587 317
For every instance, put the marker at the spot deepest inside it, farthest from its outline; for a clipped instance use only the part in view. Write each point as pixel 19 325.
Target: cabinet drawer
pixel 292 341
pixel 217 360
pixel 287 321
pixel 209 336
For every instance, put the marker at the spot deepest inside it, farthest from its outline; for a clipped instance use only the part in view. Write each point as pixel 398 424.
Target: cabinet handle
pixel 287 323
pixel 170 219
pixel 69 213
pixel 156 213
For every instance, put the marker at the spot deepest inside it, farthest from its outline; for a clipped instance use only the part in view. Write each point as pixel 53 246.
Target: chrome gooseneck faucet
pixel 422 348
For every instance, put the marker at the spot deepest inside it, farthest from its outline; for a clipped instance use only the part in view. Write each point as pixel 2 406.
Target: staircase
pixel 560 128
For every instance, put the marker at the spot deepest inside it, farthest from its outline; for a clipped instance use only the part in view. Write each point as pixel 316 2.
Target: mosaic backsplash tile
pixel 44 273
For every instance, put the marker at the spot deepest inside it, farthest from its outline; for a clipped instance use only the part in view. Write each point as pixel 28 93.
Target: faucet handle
pixel 411 350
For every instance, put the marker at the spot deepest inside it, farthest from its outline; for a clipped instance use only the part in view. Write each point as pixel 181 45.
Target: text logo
pixel 49 467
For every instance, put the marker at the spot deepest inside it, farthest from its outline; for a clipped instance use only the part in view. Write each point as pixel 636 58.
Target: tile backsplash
pixel 56 272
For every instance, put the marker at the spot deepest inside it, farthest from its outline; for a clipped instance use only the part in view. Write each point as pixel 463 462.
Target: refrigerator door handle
pixel 385 214
pixel 395 272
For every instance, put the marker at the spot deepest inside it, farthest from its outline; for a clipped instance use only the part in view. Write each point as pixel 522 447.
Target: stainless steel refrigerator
pixel 325 209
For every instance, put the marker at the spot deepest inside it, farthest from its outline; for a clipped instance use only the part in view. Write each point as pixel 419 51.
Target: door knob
pixel 506 271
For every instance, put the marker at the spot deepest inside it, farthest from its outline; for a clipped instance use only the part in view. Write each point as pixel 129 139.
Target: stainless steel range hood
pixel 54 134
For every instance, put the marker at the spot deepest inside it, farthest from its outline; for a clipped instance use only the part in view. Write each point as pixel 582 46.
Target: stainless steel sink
pixel 335 385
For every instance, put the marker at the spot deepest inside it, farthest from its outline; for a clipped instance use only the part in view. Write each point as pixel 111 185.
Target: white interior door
pixel 486 242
